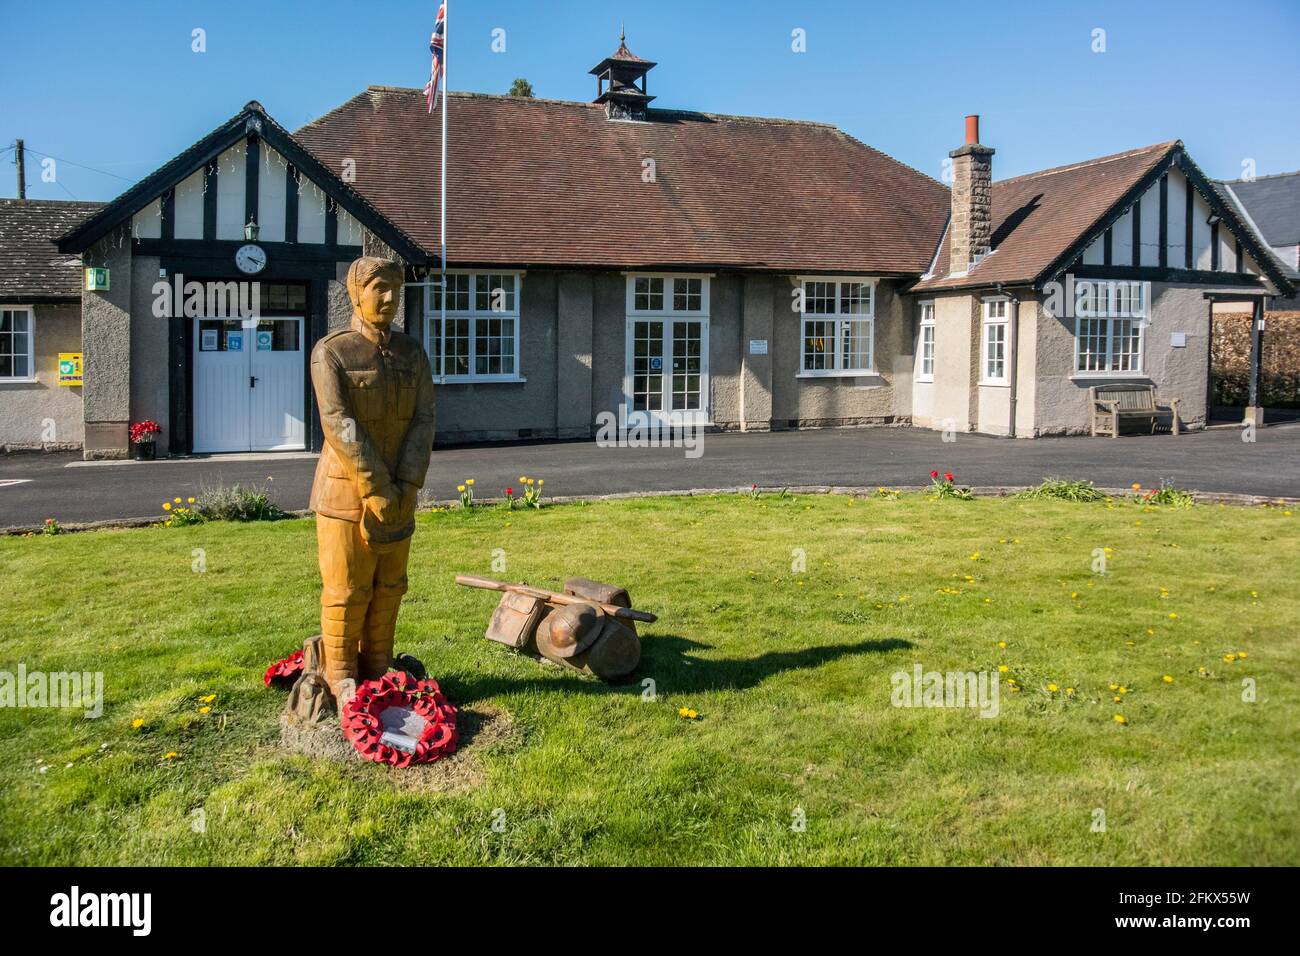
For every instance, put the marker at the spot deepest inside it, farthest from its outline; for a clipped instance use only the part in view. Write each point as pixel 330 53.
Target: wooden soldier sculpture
pixel 374 388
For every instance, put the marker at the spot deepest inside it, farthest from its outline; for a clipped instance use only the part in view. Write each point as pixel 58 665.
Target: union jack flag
pixel 437 46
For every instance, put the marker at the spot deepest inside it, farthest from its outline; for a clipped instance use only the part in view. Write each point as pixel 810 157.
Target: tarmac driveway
pixel 36 486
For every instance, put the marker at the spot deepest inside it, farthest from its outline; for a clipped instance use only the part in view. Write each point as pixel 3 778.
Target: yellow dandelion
pixel 1120 719
pixel 1241 654
pixel 1069 691
pixel 1114 686
pixel 683 711
pixel 1002 644
pixel 1051 688
pixel 1167 679
pixel 205 710
pixel 1173 616
pixel 170 755
pixel 1123 690
pixel 692 714
pixel 1003 668
pixel 1117 698
pixel 137 723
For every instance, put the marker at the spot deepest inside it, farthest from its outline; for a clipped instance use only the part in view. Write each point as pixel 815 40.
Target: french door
pixel 248 385
pixel 667 378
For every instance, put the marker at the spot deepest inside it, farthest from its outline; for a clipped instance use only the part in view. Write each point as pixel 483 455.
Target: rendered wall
pixel 43 414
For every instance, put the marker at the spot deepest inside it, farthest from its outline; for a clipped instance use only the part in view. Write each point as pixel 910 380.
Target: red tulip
pixel 510 491
pixel 947 475
pixel 934 474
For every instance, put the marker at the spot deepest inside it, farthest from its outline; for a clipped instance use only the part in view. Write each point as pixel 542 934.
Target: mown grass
pixel 789 671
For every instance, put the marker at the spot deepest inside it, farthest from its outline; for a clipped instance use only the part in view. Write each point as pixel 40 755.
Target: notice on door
pixel 264 341
pixel 234 341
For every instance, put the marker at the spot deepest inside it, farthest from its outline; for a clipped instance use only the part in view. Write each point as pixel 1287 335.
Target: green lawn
pixel 790 674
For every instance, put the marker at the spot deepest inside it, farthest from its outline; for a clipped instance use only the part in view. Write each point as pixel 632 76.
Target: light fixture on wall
pixel 251 230
pixel 1214 219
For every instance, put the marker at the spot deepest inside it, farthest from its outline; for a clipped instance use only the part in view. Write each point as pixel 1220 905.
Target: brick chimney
pixel 971 228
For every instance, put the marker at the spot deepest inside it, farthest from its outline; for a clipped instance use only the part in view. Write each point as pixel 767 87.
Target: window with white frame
pixel 995 342
pixel 1109 319
pixel 925 347
pixel 480 341
pixel 837 326
pixel 17 361
pixel 668 295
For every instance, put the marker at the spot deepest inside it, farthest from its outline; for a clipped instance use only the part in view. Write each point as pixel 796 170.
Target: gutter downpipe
pixel 1013 339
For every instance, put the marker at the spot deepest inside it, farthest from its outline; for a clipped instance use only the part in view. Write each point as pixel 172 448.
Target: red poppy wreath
pixel 399 720
pixel 284 673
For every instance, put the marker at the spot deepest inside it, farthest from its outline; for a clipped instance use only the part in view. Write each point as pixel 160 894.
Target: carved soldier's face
pixel 379 298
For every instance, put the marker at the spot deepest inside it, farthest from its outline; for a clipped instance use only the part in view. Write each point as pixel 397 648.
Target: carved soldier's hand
pixel 387 506
pixel 410 499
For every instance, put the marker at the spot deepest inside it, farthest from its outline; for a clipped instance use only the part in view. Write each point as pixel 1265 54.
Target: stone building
pixel 669 267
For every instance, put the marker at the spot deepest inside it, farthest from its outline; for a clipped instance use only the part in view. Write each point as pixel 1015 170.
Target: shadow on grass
pixel 666 660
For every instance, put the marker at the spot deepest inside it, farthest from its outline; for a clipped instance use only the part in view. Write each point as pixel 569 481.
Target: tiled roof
pixel 1274 204
pixel 31 268
pixel 1037 217
pixel 544 182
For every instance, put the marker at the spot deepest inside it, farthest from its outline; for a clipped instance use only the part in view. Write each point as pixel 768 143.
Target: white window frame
pixel 698 416
pixel 992 321
pixel 433 315
pixel 31 346
pixel 1117 307
pixel 926 324
pixel 839 319
pixel 668 310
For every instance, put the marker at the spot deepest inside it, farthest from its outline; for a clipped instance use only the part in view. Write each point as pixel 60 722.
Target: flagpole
pixel 442 206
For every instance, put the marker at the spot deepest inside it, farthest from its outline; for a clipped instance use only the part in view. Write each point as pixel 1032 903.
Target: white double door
pixel 667 373
pixel 248 385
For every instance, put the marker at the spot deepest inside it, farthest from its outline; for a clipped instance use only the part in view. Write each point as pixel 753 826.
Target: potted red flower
pixel 143 437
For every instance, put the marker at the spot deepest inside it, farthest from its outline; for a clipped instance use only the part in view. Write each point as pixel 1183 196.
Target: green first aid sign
pixel 96 279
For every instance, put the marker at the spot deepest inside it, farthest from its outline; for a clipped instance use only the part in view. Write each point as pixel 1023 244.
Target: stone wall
pixel 44 415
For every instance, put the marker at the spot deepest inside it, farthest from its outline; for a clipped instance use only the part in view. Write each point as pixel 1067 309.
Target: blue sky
pixel 116 86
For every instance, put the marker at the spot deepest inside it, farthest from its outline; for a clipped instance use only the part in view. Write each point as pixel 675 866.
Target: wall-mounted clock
pixel 250 258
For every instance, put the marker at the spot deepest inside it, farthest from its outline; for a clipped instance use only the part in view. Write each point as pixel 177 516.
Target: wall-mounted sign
pixel 263 341
pixel 1178 340
pixel 96 279
pixel 656 364
pixel 208 340
pixel 234 341
pixel 69 368
pixel 758 346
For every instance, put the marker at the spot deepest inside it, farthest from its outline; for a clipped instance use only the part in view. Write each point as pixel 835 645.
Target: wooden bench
pixel 1112 405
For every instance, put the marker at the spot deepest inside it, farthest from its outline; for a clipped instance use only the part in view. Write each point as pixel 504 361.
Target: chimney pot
pixel 972 129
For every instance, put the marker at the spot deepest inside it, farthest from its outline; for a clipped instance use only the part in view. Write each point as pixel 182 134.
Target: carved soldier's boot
pixel 377 640
pixel 341 630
